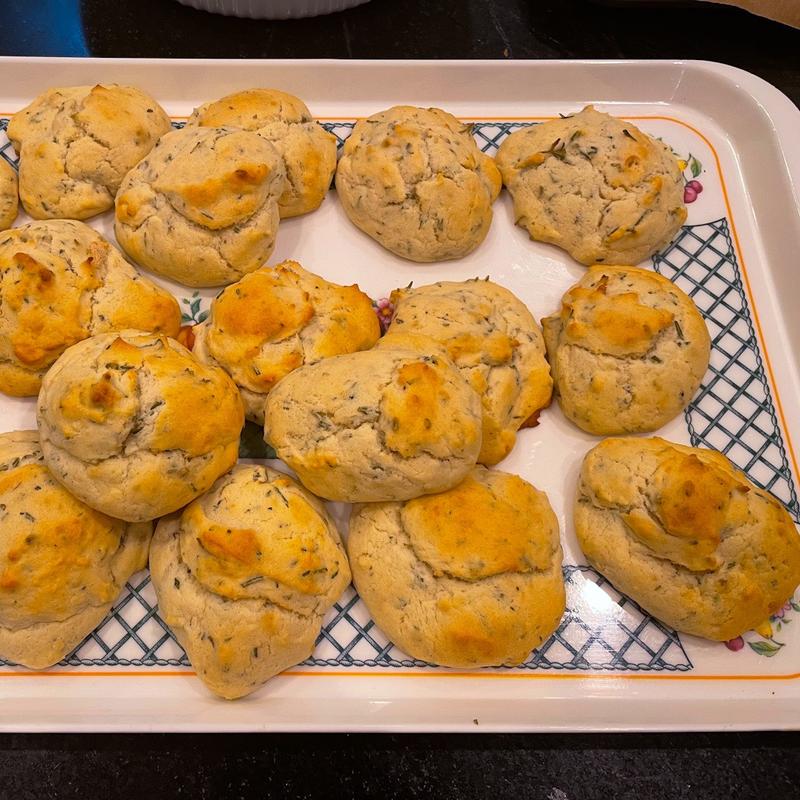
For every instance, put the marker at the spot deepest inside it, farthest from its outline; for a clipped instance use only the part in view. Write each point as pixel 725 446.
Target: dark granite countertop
pixel 412 29
pixel 554 767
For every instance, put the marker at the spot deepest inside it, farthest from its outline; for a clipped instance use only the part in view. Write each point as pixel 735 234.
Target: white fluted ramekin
pixel 272 9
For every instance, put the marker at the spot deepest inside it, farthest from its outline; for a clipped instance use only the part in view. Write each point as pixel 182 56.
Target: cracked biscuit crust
pixel 308 150
pixel 62 564
pixel 276 319
pixel 135 427
pixel 244 576
pixel 467 578
pixel 415 181
pixel 77 144
pixel 595 186
pixel 61 282
pixel 202 208
pixel 686 535
pixel 494 341
pixel 9 195
pixel 628 351
pixel 376 425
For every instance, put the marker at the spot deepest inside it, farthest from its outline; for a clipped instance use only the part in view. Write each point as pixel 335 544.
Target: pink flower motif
pixel 384 309
pixel 781 612
pixel 735 644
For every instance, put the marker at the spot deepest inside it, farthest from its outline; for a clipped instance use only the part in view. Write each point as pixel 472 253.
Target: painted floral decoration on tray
pixel 384 309
pixel 194 316
pixel 767 645
pixel 692 187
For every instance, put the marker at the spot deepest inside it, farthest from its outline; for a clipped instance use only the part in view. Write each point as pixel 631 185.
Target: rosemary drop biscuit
pixel 276 319
pixel 595 186
pixel 62 564
pixel 628 350
pixel 467 578
pixel 244 576
pixel 376 425
pixel 307 149
pixel 76 144
pixel 494 341
pixel 686 535
pixel 202 208
pixel 61 282
pixel 132 425
pixel 415 181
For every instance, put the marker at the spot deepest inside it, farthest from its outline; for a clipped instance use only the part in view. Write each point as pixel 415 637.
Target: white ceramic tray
pixel 609 666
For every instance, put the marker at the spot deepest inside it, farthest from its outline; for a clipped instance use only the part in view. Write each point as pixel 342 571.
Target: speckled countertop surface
pixel 555 767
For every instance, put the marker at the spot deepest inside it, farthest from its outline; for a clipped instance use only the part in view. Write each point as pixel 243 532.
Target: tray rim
pixel 779 109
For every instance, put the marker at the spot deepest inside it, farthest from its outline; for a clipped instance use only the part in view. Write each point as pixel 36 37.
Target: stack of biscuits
pixel 459 563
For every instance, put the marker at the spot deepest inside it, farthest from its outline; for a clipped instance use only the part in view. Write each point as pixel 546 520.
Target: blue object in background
pixel 42 28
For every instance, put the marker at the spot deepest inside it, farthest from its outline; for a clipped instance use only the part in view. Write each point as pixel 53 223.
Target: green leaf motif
pixel 795 605
pixel 185 318
pixel 203 316
pixel 766 648
pixel 695 166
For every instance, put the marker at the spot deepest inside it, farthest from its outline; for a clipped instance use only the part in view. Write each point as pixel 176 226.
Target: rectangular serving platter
pixel 609 666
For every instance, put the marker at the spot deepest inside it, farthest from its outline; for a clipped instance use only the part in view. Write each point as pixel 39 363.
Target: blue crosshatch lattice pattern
pixel 733 412
pixel 620 637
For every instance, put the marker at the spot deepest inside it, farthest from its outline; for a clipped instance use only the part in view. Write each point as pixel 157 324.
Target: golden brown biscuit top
pixel 613 310
pixel 414 408
pixel 263 306
pixel 191 392
pixel 410 144
pixel 46 298
pixel 258 534
pixel 274 320
pixel 491 523
pixel 117 115
pixel 218 186
pixel 678 501
pixel 214 177
pixel 50 272
pixel 54 550
pixel 145 389
pixel 252 109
